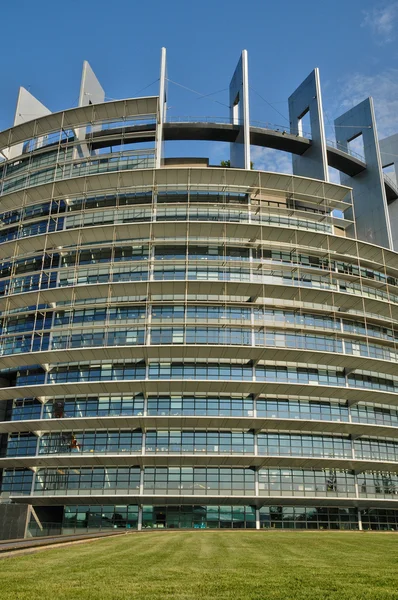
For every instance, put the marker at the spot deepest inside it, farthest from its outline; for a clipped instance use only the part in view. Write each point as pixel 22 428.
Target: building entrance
pixel 198 517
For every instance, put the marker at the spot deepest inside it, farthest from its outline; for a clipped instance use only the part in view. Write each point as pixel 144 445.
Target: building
pixel 185 345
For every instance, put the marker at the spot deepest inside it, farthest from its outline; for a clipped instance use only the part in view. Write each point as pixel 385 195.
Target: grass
pixel 210 565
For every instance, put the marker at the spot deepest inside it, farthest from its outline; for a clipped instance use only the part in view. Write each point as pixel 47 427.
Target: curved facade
pixel 189 346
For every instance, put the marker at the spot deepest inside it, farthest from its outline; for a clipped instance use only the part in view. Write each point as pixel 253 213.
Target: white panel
pixel 28 108
pixel 91 91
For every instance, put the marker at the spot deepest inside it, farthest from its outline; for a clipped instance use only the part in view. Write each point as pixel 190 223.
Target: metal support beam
pixel 162 109
pixel 239 114
pixel 308 99
pixel 369 194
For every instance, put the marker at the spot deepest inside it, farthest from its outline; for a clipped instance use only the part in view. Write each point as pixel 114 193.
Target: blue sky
pixel 353 42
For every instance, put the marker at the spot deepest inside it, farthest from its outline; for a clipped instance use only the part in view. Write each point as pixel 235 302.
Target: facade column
pixel 151 262
pixel 353 448
pixel 139 522
pixel 257 518
pixel 162 110
pixel 239 114
pixel 38 443
pixel 32 489
pixel 360 527
pixel 359 516
pixel 253 337
pixel 141 481
pixel 254 406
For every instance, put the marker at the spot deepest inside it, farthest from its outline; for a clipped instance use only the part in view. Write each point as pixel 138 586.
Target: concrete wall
pixel 14 519
pixel 370 202
pixel 389 156
pixel 308 98
pixel 393 213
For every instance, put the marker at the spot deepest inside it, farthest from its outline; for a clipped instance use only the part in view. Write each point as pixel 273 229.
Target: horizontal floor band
pixel 170 352
pixel 74 117
pixel 338 301
pixel 185 386
pixel 192 211
pixel 200 499
pixel 163 229
pixel 164 459
pixel 199 422
pixel 235 180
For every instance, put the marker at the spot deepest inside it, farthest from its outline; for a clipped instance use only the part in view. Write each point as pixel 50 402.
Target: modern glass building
pixel 185 345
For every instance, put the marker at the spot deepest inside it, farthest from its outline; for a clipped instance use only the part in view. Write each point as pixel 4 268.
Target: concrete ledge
pixel 27 544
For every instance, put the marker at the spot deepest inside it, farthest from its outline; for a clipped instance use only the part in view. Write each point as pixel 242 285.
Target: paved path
pixel 33 543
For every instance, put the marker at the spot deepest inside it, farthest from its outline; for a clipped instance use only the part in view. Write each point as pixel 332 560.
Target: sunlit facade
pixel 185 345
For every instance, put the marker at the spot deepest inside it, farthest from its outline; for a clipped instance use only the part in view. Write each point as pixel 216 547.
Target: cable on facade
pixel 269 104
pixel 354 126
pixel 199 93
pixel 213 93
pixel 136 93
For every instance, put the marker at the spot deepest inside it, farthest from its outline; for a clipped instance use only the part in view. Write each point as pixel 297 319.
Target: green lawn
pixel 216 565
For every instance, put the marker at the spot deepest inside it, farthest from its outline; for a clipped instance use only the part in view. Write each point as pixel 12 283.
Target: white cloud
pixel 334 175
pixel 217 151
pixel 264 159
pixel 383 87
pixel 382 21
pixel 267 159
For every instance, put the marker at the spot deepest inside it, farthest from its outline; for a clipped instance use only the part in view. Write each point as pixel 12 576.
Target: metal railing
pixel 346 150
pixel 226 120
pixel 392 183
